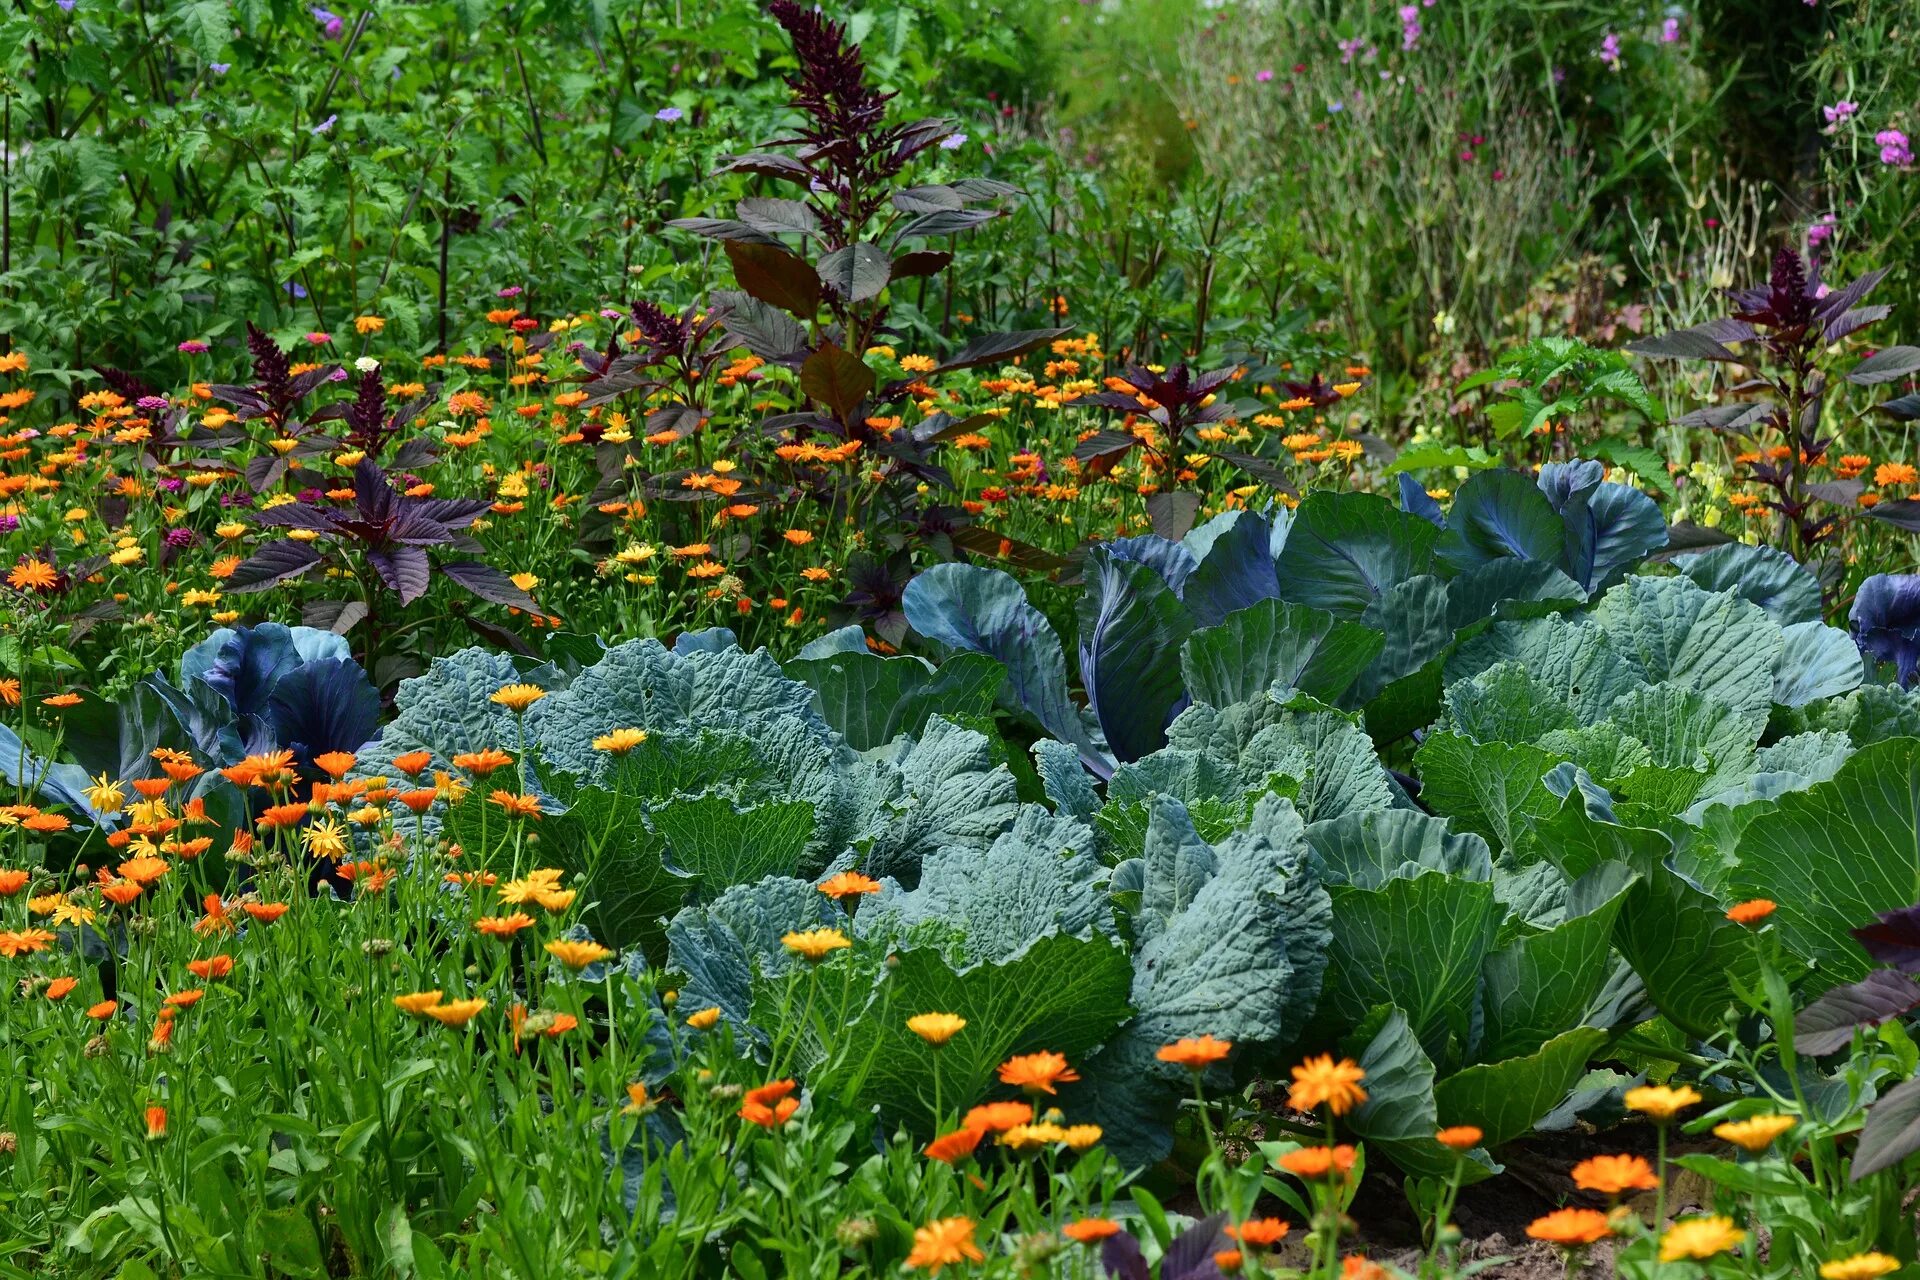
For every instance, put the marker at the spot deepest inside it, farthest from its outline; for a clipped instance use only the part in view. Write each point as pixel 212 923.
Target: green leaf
pixel 1416 943
pixel 1424 457
pixel 1769 578
pixel 945 790
pixel 1505 704
pixel 1366 850
pixel 1641 461
pixel 1060 993
pixel 1837 854
pixel 1543 984
pixel 1276 646
pixel 870 700
pixel 1501 514
pixel 1669 629
pixel 1401 1115
pixel 1495 789
pixel 1685 950
pixel 724 946
pixel 726 845
pixel 1346 550
pixel 1816 661
pixel 1506 1098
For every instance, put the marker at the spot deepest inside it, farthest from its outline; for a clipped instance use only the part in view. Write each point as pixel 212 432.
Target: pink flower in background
pixel 1670 31
pixel 1820 232
pixel 1409 26
pixel 1610 51
pixel 1839 111
pixel 1263 75
pixel 1893 148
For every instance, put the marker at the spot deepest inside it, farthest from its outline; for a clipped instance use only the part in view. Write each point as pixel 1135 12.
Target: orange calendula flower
pixel 1615 1175
pixel 456 1013
pixel 1756 1133
pixel 482 763
pixel 848 884
pixel 998 1117
pixel 1090 1230
pixel 770 1105
pixel 504 926
pixel 13 881
pixel 951 1148
pixel 578 954
pixel 62 987
pixel 1752 912
pixel 704 1019
pixel 517 697
pixel 212 968
pixel 1194 1054
pixel 1037 1072
pixel 518 806
pixel 936 1028
pixel 1459 1137
pixel 186 999
pixel 413 763
pixel 156 1123
pixel 944 1242
pixel 336 763
pixel 1318 1162
pixel 104 1010
pixel 32 575
pixel 417 1003
pixel 1569 1228
pixel 1261 1233
pixel 265 912
pixel 815 945
pixel 1660 1101
pixel 1323 1082
pixel 1228 1261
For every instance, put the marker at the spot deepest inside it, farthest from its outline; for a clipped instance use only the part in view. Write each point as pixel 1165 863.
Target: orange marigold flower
pixel 1323 1082
pixel 998 1117
pixel 1660 1101
pixel 944 1242
pixel 417 1002
pixel 1261 1233
pixel 1037 1072
pixel 265 912
pixel 770 1105
pixel 122 893
pixel 62 987
pixel 482 763
pixel 1614 1175
pixel 1090 1230
pixel 504 926
pixel 1895 473
pixel 13 881
pixel 951 1148
pixel 1752 912
pixel 336 763
pixel 849 884
pixel 1570 1227
pixel 104 1010
pixel 1318 1162
pixel 519 806
pixel 413 763
pixel 1459 1137
pixel 1194 1054
pixel 212 968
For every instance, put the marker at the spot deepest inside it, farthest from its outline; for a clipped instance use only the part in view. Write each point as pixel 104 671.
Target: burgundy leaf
pixel 272 564
pixel 489 584
pixel 403 568
pixel 1827 1025
pixel 1893 939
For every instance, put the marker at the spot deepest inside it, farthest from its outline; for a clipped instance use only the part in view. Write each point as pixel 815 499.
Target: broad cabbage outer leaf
pixel 1331 758
pixel 1579 662
pixel 1610 528
pixel 1885 621
pixel 1499 515
pixel 1038 877
pixel 1069 787
pixel 726 844
pixel 945 790
pixel 1683 728
pixel 1235 566
pixel 1494 789
pixel 1668 629
pixel 1057 992
pixel 1368 849
pixel 1240 957
pixel 1275 646
pixel 446 712
pixel 723 946
pixel 1542 984
pixel 1131 628
pixel 1505 703
pixel 1346 550
pixel 1417 943
pixel 1837 854
pixel 1817 661
pixel 870 700
pixel 1506 1099
pixel 1686 951
pixel 1769 578
pixel 977 610
pixel 1400 1115
pixel 1871 713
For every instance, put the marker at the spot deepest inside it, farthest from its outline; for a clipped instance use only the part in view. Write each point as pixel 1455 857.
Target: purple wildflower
pixel 1893 148
pixel 1409 27
pixel 953 142
pixel 1670 31
pixel 668 114
pixel 1610 51
pixel 151 404
pixel 330 23
pixel 1263 75
pixel 192 347
pixel 219 68
pixel 9 523
pixel 324 126
pixel 178 538
pixel 1839 111
pixel 511 291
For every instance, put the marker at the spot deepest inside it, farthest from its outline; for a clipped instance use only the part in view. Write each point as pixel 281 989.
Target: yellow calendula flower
pixel 457 1013
pixel 517 697
pixel 815 945
pixel 417 1003
pixel 577 955
pixel 704 1019
pixel 1756 1133
pixel 1660 1101
pixel 1700 1238
pixel 105 795
pixel 936 1028
pixel 620 741
pixel 1861 1266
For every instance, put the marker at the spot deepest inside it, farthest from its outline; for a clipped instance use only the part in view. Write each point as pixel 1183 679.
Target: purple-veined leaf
pixel 297 515
pixel 945 223
pixel 303 384
pixel 1845 492
pixel 778 217
pixel 985 189
pixel 1859 318
pixel 1827 1025
pixel 930 199
pixel 766 164
pixel 1682 344
pixel 1904 409
pixel 1892 1131
pixel 767 331
pixel 1264 470
pixel 404 569
pixel 489 584
pixel 921 262
pixel 1903 513
pixel 1104 448
pixel 1725 417
pixel 265 471
pixel 728 229
pixel 337 616
pixel 999 346
pixel 274 563
pixel 856 272
pixel 1888 365
pixel 250 403
pixel 1173 512
pixel 1893 939
pixel 1842 300
pixel 773 275
pixel 836 378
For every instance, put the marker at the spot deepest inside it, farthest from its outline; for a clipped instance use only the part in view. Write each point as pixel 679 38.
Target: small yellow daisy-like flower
pixel 1756 1133
pixel 457 1014
pixel 1660 1101
pixel 1081 1136
pixel 936 1028
pixel 705 1019
pixel 815 945
pixel 417 1003
pixel 577 955
pixel 620 741
pixel 1699 1238
pixel 525 581
pixel 1861 1266
pixel 517 697
pixel 1321 1080
pixel 1031 1137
